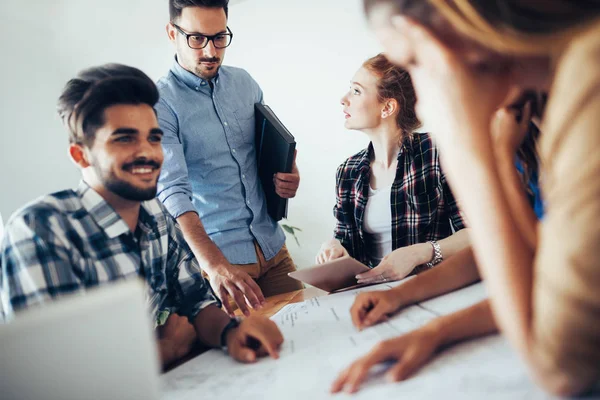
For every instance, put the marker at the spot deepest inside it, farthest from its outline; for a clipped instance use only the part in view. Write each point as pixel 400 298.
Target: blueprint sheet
pixel 320 341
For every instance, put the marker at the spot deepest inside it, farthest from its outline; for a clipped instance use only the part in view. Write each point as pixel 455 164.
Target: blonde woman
pixel 464 57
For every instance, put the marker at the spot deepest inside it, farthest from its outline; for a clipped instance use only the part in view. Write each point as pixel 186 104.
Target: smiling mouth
pixel 141 170
pixel 146 173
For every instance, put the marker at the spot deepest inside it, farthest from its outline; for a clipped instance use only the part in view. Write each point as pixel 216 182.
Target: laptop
pixel 99 346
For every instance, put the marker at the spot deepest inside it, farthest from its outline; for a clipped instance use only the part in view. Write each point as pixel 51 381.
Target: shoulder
pixel 574 101
pixel 350 169
pixel 237 76
pixel 423 148
pixel 352 163
pixel 41 214
pixel 161 215
pixel 235 72
pixel 168 87
pixel 423 142
pixel 158 211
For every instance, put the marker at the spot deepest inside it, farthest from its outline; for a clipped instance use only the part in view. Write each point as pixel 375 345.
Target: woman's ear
pixel 78 156
pixel 389 108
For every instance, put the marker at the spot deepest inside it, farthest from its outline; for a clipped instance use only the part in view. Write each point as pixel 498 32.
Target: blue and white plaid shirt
pixel 68 241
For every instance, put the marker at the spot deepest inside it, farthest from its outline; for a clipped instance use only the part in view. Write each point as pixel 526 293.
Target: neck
pixel 128 210
pixel 386 144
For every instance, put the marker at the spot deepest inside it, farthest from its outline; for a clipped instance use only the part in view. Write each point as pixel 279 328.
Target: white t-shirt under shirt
pixel 377 223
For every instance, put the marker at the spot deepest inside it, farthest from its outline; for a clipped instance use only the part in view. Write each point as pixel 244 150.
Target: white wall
pixel 302 52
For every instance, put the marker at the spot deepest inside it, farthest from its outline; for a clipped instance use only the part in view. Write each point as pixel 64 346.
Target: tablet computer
pixel 333 275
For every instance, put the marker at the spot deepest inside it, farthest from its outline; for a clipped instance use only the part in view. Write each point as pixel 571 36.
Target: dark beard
pixel 127 191
pixel 213 73
pixel 202 74
pixel 123 189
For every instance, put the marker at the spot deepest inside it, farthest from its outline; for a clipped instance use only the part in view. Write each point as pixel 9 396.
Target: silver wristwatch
pixel 437 254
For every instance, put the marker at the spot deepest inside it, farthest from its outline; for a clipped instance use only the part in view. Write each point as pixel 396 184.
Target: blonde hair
pixel 467 19
pixel 536 27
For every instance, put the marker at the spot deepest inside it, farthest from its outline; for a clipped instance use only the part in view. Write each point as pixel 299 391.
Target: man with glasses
pixel 209 181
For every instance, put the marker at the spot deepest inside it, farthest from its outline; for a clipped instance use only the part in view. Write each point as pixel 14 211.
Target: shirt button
pixel 248 201
pixel 251 227
pixel 243 176
pixel 233 150
pixel 197 88
pixel 225 123
pixel 203 83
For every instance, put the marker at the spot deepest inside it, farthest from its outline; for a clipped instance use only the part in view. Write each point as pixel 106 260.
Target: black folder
pixel 275 147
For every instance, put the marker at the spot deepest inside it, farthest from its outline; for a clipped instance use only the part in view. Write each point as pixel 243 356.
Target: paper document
pixel 320 341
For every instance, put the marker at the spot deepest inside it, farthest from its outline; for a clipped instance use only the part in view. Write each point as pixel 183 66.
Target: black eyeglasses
pixel 199 41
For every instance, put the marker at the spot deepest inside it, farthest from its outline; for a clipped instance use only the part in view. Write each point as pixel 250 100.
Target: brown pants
pixel 271 276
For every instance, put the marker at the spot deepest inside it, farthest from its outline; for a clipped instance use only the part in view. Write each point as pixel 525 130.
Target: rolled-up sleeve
pixel 189 292
pixel 174 189
pixel 457 219
pixel 345 229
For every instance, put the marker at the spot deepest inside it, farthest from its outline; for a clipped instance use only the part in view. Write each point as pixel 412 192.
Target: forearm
pixel 207 253
pixel 452 274
pixel 471 322
pixel 455 243
pixel 209 324
pixel 521 210
pixel 449 246
pixel 503 257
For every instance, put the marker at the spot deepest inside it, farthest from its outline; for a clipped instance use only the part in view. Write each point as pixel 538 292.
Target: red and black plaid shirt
pixel 423 207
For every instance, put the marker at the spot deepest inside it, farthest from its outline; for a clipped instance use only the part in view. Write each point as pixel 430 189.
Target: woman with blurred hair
pixel 464 56
pixel 394 210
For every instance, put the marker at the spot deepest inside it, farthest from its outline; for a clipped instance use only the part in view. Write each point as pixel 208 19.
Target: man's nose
pixel 210 51
pixel 147 150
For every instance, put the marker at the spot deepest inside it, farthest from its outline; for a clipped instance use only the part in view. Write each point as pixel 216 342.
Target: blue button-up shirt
pixel 210 160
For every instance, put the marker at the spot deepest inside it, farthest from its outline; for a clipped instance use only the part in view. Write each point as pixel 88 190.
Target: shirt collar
pixel 405 147
pixel 191 80
pixel 105 216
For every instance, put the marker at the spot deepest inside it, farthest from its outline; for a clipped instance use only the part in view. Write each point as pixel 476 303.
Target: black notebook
pixel 275 148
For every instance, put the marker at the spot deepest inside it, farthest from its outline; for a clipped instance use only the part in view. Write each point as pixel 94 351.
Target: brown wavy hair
pixel 395 83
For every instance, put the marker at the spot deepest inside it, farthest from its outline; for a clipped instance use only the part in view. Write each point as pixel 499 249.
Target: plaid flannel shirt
pixel 71 240
pixel 423 207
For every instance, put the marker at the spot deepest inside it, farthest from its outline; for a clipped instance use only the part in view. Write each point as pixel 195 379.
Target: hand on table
pixel 398 264
pixel 370 308
pixel 256 336
pixel 228 281
pixel 408 352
